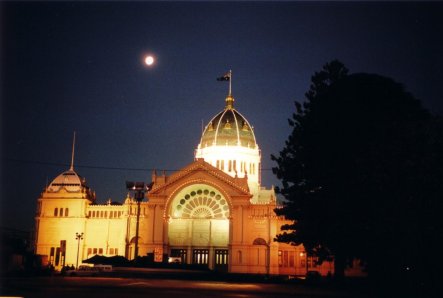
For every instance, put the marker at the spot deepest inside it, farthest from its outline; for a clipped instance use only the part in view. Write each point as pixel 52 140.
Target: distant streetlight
pixel 78 237
pixel 139 189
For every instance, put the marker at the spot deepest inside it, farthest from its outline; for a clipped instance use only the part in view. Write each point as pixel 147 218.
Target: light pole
pixel 78 237
pixel 139 189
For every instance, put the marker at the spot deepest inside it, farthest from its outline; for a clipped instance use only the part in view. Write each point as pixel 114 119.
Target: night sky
pixel 79 67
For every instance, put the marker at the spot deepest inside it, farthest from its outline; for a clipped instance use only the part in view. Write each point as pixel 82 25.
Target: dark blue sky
pixel 78 67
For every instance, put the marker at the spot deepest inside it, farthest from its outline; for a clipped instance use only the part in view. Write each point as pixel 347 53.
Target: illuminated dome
pixel 228 143
pixel 70 182
pixel 228 127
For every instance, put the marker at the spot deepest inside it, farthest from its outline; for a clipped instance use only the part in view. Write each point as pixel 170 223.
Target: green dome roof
pixel 228 128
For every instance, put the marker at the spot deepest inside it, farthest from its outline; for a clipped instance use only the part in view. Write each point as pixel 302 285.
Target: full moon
pixel 149 60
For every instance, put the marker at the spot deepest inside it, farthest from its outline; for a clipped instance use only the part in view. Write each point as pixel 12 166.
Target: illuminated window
pixel 95 251
pixel 61 211
pixel 116 251
pixel 111 251
pixel 235 165
pixel 285 259
pixel 230 165
pixel 66 212
pixel 291 259
pixel 56 212
pixel 89 214
pixel 106 214
pixel 89 251
pixel 218 164
pixel 100 251
pixel 222 165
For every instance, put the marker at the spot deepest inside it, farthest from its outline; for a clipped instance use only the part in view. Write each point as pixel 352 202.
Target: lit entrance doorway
pixel 199 221
pixel 200 256
pixel 179 253
pixel 221 260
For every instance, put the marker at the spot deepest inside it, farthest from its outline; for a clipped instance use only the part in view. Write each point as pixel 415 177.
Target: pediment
pixel 199 171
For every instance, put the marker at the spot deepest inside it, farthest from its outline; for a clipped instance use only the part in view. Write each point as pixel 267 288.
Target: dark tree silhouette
pixel 361 174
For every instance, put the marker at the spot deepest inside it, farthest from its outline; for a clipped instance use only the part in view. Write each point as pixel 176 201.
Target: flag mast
pixel 230 82
pixel 72 154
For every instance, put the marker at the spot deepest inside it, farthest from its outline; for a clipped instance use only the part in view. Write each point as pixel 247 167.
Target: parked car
pixel 83 270
pixel 103 268
pixel 174 260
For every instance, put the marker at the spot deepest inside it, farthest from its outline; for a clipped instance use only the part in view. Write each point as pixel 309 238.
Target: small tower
pixel 61 213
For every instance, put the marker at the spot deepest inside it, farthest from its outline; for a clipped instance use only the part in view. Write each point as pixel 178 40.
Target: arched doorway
pixel 198 226
pixel 131 247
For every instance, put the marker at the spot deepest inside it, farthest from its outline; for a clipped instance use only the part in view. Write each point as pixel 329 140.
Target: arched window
pixel 259 241
pixel 56 212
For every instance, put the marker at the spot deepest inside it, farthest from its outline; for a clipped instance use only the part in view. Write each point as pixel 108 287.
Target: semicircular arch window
pixel 200 202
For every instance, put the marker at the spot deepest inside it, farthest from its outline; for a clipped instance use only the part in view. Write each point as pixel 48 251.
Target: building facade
pixel 213 211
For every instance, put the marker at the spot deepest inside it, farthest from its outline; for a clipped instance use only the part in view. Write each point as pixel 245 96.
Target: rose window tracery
pixel 203 203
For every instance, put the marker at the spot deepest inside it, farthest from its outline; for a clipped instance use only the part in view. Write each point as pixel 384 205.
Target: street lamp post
pixel 78 237
pixel 139 189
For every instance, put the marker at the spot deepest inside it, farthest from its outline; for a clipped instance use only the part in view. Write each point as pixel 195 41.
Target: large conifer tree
pixel 360 173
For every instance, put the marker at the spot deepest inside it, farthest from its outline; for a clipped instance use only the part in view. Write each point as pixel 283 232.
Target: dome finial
pixel 229 102
pixel 230 99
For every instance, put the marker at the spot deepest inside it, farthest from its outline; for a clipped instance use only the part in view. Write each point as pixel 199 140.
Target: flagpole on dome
pixel 229 99
pixel 72 154
pixel 230 82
